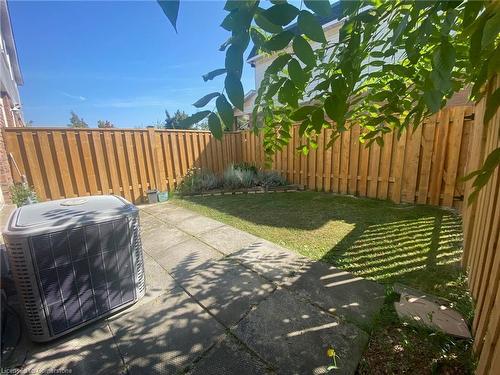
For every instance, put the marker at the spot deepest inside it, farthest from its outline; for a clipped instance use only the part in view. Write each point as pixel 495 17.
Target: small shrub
pixel 210 181
pixel 244 166
pixel 235 178
pixel 21 194
pixel 270 179
pixel 197 180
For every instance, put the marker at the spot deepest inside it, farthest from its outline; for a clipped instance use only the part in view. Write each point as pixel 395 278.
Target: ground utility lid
pixel 64 213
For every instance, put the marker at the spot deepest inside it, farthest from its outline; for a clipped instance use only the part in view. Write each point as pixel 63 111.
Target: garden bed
pixel 252 190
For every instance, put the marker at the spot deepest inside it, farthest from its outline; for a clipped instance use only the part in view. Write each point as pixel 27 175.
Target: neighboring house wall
pixel 332 33
pixel 10 103
pixel 262 62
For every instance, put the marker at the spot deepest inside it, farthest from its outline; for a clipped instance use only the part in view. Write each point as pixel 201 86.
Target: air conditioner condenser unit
pixel 74 261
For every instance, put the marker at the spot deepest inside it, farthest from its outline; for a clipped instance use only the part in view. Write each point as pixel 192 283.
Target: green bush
pixel 21 194
pixel 244 166
pixel 269 179
pixel 235 178
pixel 198 180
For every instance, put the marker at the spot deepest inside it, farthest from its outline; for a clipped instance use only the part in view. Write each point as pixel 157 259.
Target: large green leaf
pixel 303 50
pixel 278 64
pixel 288 94
pixel 320 7
pixel 214 125
pixel 492 103
pixel 444 58
pixel 297 75
pixel 483 175
pixel 302 112
pixel 234 61
pixel 266 25
pixel 234 90
pixel 476 41
pixel 273 88
pixel 171 10
pixel 193 119
pixel 318 119
pixel 225 111
pixel 336 108
pixel 491 30
pixel 471 11
pixel 214 73
pixel 311 27
pixel 228 22
pixel 258 38
pixel 433 99
pixel 206 99
pixel 281 14
pixel 279 41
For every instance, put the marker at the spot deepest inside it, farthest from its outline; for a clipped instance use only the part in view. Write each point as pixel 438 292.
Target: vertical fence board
pixel 453 155
pixel 88 162
pixel 385 166
pixel 63 166
pixel 354 162
pixel 76 163
pixel 122 167
pixel 344 162
pixel 50 167
pixel 363 170
pixel 373 170
pixel 109 151
pixel 426 159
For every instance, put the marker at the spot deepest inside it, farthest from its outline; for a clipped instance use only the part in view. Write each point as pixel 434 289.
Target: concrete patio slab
pixel 272 261
pixel 227 290
pixel 182 259
pixel 229 358
pixel 228 239
pixel 340 292
pixel 158 281
pixel 159 207
pixel 162 237
pixel 294 336
pixel 165 335
pixel 170 213
pixel 90 350
pixel 199 224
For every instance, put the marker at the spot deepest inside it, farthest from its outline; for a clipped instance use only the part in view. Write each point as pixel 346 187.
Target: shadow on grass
pixel 416 245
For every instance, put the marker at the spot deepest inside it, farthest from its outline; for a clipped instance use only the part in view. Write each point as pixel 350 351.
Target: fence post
pixel 154 157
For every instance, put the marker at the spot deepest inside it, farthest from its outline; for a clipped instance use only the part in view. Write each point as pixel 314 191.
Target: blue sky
pixel 117 61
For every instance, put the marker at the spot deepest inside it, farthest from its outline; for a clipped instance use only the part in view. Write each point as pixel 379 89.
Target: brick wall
pixel 8 118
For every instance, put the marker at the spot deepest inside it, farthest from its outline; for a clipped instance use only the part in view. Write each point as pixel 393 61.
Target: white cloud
pixel 75 97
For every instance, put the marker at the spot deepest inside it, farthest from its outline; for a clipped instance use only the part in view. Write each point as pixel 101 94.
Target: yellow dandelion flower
pixel 330 352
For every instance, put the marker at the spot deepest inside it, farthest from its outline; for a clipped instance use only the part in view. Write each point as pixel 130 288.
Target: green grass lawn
pixel 419 246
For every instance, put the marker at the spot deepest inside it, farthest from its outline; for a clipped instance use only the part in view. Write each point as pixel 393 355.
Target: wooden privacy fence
pixel 481 237
pixel 424 166
pixel 63 163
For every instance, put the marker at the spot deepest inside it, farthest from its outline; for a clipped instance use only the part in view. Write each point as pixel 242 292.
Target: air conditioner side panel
pixel 19 254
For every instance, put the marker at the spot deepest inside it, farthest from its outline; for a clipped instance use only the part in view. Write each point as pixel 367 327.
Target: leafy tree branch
pixel 396 63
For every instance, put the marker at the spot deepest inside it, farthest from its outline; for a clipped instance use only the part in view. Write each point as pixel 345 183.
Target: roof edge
pixel 6 29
